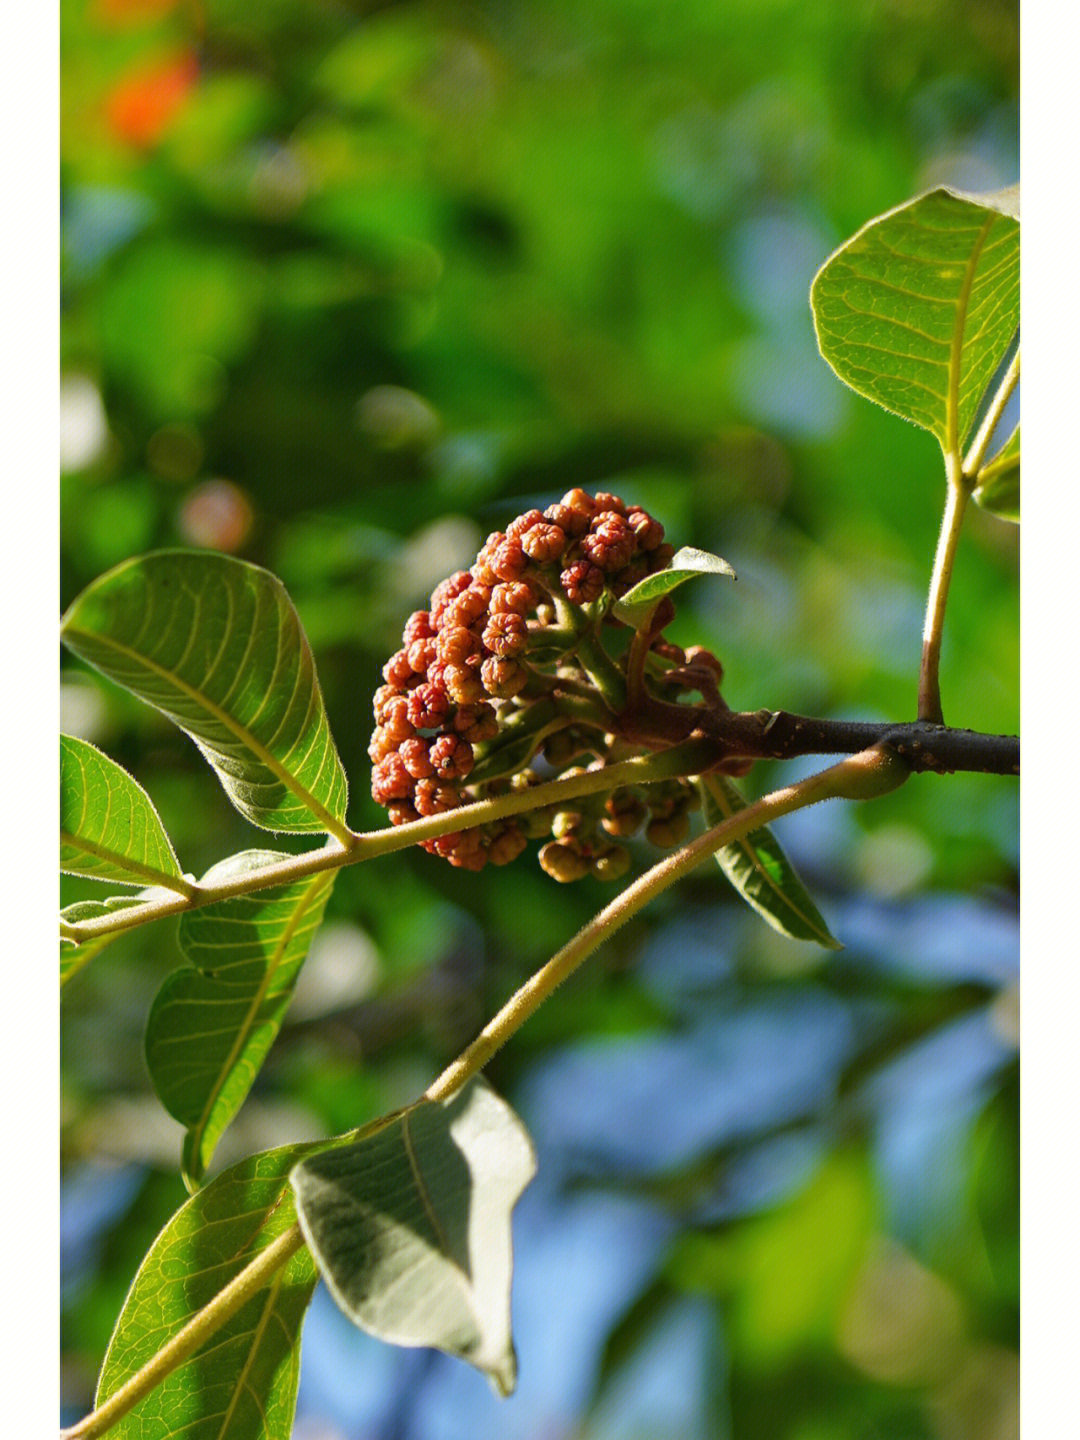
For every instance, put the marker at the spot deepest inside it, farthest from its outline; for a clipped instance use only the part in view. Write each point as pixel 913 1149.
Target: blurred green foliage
pixel 347 285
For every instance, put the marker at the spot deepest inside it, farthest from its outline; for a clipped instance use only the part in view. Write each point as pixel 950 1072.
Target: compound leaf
pixel 109 828
pixel 411 1226
pixel 919 308
pixel 216 645
pixel 211 1025
pixel 761 872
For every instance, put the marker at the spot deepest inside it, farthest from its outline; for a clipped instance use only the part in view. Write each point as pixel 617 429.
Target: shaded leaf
pixel 997 487
pixel 685 564
pixel 411 1226
pixel 73 956
pixel 761 872
pixel 216 644
pixel 109 828
pixel 211 1027
pixel 919 308
pixel 241 1384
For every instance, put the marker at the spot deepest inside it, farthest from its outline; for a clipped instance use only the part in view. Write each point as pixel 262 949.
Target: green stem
pixel 603 672
pixel 870 772
pixel 955 504
pixel 974 458
pixel 192 1337
pixel 678 760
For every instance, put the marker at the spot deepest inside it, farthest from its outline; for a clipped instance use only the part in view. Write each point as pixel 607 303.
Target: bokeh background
pixel 346 286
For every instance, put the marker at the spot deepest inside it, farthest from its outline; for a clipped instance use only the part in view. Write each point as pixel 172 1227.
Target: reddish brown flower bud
pixel 381 744
pixel 506 634
pixel 469 606
pixel 517 528
pixel 417 627
pixel 604 500
pixel 502 677
pixel 415 757
pixel 649 532
pixel 421 653
pixel 452 757
pixel 428 706
pixel 396 723
pixel 448 590
pixel 611 864
pixel 456 644
pixel 582 582
pixel 476 723
pixel 544 543
pixel 571 522
pixel 381 699
pixel 577 499
pixel 401 812
pixel 516 597
pixel 463 684
pixel 435 797
pixel 507 845
pixel 661 557
pixel 390 780
pixel 509 561
pixel 397 669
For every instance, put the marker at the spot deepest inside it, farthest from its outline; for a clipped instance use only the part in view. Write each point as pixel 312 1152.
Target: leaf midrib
pixel 333 825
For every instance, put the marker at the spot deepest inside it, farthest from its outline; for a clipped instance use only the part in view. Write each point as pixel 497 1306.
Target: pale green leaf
pixel 212 1023
pixel 241 1384
pixel 919 308
pixel 216 644
pixel 997 486
pixel 686 563
pixel 109 828
pixel 411 1226
pixel 761 872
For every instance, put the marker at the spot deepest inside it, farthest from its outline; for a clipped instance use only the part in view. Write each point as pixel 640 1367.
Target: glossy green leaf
pixel 997 487
pixel 74 955
pixel 212 1024
pixel 761 872
pixel 109 828
pixel 685 565
pixel 217 646
pixel 241 1384
pixel 919 308
pixel 411 1226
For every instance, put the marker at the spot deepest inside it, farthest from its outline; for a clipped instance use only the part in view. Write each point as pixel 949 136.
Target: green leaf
pixel 217 646
pixel 919 308
pixel 73 956
pixel 241 1384
pixel 761 872
pixel 211 1027
pixel 997 485
pixel 109 828
pixel 685 564
pixel 411 1226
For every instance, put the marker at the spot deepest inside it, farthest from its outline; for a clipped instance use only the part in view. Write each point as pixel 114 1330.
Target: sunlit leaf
pixel 213 1023
pixel 241 1384
pixel 109 828
pixel 761 872
pixel 216 644
pixel 411 1226
pixel 685 564
pixel 998 482
pixel 919 308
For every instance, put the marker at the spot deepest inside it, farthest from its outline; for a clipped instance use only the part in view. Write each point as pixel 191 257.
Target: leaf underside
pixel 411 1226
pixel 213 1023
pixel 217 646
pixel 685 565
pixel 73 956
pixel 918 309
pixel 761 872
pixel 109 829
pixel 998 482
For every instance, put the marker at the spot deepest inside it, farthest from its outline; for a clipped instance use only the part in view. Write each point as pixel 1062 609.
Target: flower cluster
pixel 495 639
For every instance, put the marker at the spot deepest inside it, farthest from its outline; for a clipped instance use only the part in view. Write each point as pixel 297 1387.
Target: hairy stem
pixel 955 504
pixel 192 1337
pixel 974 458
pixel 871 772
